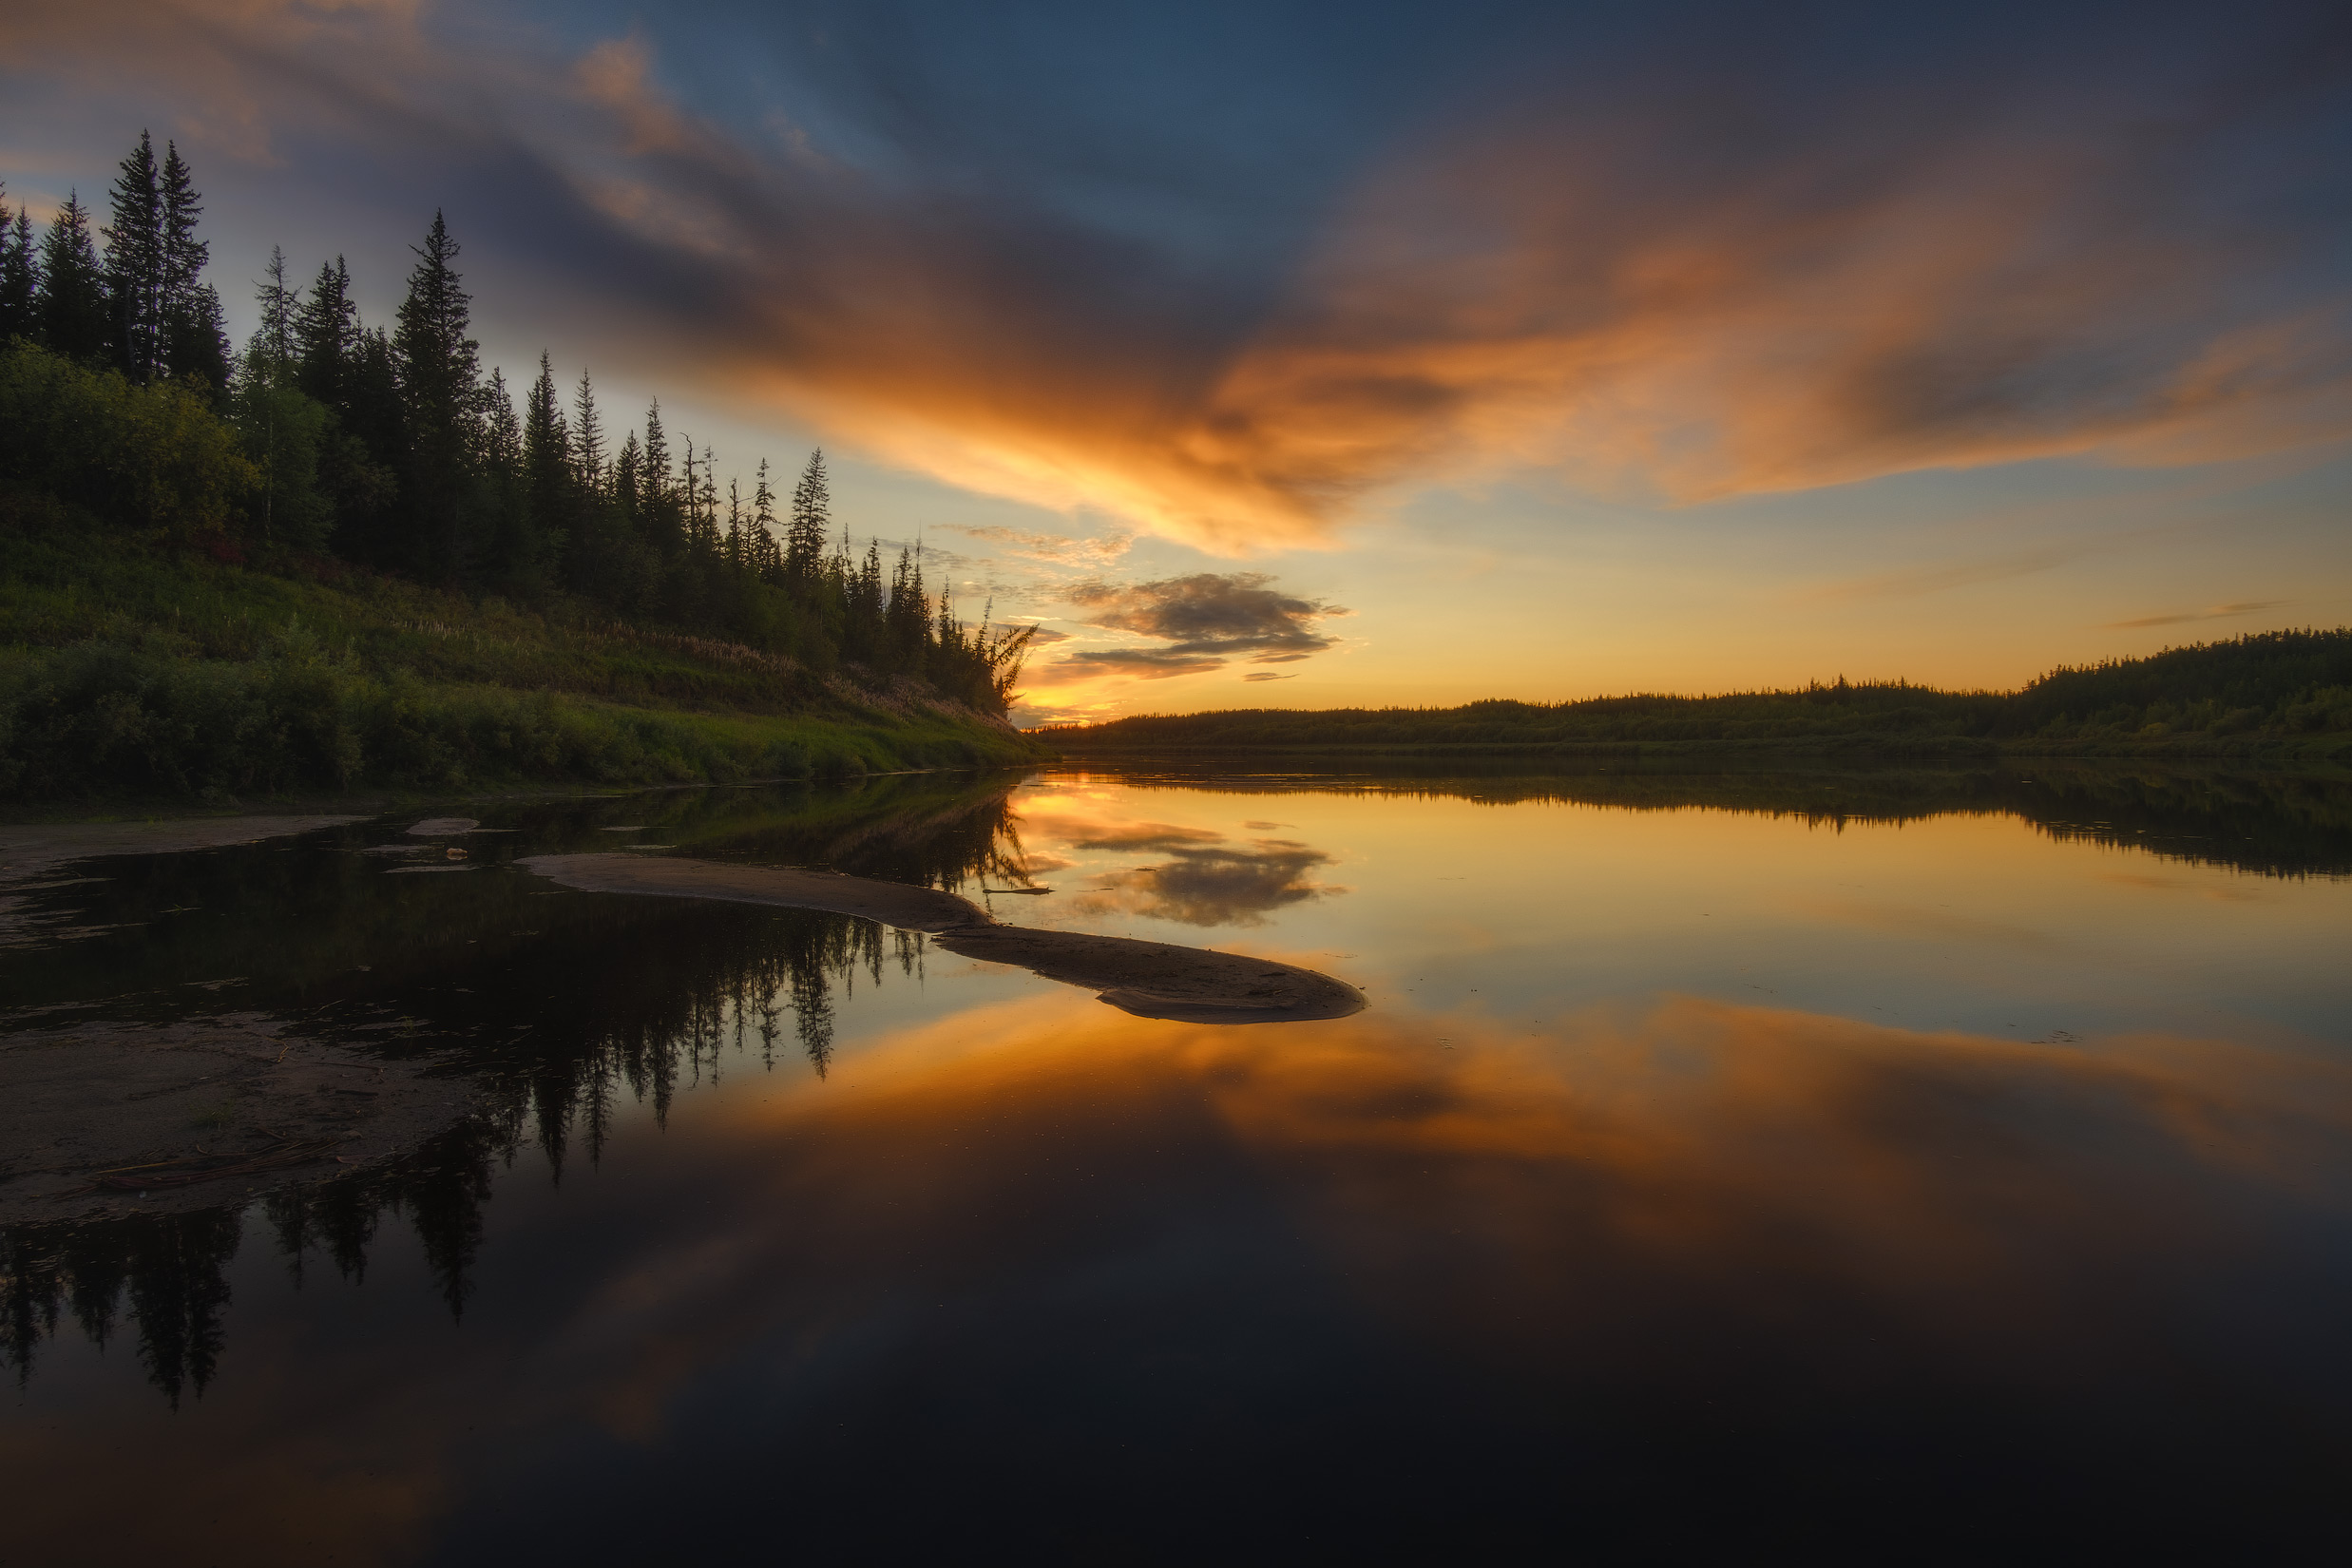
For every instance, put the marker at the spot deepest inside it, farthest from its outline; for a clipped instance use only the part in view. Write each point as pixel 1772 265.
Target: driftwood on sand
pixel 1149 979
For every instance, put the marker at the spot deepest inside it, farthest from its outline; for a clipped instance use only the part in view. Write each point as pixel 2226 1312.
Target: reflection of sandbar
pixel 1149 979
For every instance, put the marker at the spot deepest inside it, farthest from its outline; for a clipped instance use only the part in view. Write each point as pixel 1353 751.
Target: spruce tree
pixel 134 265
pixel 804 538
pixel 520 549
pixel 273 346
pixel 710 500
pixel 660 521
pixel 626 466
pixel 656 456
pixel 20 278
pixel 326 337
pixel 770 555
pixel 440 380
pixel 194 340
pixel 501 433
pixel 72 315
pixel 587 436
pixel 547 470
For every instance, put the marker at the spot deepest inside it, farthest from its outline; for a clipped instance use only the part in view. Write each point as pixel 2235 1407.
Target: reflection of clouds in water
pixel 1210 880
pixel 1025 1209
pixel 1717 1160
pixel 1214 887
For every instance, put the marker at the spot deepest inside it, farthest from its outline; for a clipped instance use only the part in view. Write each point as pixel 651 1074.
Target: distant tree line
pixel 390 448
pixel 2262 694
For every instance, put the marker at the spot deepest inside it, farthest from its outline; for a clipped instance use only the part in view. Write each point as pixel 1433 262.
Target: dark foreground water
pixel 1895 1167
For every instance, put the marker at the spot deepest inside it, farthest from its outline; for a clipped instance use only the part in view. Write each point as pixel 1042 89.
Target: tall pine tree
pixel 272 350
pixel 804 537
pixel 20 277
pixel 548 476
pixel 587 436
pixel 134 268
pixel 195 342
pixel 326 337
pixel 72 316
pixel 440 380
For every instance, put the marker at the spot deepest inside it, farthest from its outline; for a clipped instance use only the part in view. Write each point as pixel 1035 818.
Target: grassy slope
pixel 2276 696
pixel 130 673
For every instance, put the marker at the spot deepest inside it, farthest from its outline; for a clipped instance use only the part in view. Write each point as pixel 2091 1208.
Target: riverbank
pixel 133 675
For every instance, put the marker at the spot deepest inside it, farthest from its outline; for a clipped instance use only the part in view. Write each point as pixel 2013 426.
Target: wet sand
pixel 30 853
pixel 1148 979
pixel 206 1110
pixel 105 1118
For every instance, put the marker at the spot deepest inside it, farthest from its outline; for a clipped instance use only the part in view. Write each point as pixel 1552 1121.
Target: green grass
pixel 126 673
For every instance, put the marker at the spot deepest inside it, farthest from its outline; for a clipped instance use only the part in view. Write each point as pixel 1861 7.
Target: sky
pixel 1319 355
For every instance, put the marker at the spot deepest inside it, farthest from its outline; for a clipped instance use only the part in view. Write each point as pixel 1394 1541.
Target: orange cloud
pixel 1621 295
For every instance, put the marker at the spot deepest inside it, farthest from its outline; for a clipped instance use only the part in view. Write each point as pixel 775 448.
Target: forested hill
pixel 382 477
pixel 2275 693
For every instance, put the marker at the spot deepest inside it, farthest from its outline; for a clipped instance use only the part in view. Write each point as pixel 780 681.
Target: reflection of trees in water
pixel 927 830
pixel 660 997
pixel 2274 823
pixel 170 1266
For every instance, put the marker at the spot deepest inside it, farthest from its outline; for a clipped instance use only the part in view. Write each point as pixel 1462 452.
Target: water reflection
pixel 1220 885
pixel 629 1007
pixel 2275 823
pixel 1564 1248
pixel 1061 1264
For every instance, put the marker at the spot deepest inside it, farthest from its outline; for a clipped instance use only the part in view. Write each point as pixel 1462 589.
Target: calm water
pixel 1911 1166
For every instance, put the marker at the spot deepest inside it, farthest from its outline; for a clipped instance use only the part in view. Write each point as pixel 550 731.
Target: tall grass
pixel 134 674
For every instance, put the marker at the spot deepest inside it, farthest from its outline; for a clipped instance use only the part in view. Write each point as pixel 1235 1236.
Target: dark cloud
pixel 1682 247
pixel 1267 674
pixel 1207 620
pixel 1215 613
pixel 1141 663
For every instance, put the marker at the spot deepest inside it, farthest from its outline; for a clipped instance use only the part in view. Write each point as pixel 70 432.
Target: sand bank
pixel 1149 979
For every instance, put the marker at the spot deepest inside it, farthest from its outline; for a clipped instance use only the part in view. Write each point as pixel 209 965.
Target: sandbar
pixel 1149 979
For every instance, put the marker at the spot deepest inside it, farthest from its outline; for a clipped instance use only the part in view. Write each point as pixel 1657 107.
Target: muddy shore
pixel 106 1117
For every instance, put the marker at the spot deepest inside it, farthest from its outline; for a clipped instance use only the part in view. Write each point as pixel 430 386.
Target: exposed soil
pixel 101 1119
pixel 1149 979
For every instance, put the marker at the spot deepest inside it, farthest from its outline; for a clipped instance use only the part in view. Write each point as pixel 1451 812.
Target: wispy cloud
pixel 2218 612
pixel 1093 554
pixel 1695 275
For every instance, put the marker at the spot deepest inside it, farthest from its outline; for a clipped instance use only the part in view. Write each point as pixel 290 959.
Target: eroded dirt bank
pixel 1149 979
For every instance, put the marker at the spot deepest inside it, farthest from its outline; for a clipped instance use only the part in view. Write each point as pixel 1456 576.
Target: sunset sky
pixel 1319 355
